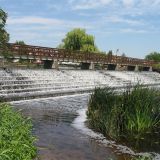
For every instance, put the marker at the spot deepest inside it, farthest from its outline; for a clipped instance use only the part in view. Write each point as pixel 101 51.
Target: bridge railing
pixel 37 52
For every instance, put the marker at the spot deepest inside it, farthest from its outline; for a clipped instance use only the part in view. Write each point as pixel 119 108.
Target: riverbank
pixel 132 118
pixel 16 137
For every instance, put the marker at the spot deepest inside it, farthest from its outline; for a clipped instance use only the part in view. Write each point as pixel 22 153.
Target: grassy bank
pixel 130 116
pixel 16 140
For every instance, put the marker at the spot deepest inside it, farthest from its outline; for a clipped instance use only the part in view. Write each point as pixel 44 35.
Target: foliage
pixel 153 56
pixel 4 36
pixel 157 66
pixel 78 39
pixel 20 42
pixel 15 134
pixel 128 115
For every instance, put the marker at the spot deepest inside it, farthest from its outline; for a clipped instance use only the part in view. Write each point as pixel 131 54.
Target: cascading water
pixel 27 84
pixel 59 122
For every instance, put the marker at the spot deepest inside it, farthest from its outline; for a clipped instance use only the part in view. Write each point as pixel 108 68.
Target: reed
pixel 16 140
pixel 128 115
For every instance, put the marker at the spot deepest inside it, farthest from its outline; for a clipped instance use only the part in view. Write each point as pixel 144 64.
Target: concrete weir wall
pixel 54 64
pixel 18 84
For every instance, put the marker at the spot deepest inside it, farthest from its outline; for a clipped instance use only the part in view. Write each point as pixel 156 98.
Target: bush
pixel 16 140
pixel 129 115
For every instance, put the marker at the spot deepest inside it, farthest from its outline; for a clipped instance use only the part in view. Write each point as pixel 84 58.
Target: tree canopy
pixel 153 56
pixel 79 40
pixel 4 36
pixel 20 43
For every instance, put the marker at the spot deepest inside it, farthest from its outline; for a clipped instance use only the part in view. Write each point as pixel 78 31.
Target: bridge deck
pixel 46 53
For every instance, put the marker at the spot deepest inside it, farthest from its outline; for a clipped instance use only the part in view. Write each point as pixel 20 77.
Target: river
pixel 58 124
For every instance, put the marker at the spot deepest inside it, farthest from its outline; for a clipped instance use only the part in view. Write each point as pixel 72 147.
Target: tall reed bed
pixel 129 115
pixel 16 140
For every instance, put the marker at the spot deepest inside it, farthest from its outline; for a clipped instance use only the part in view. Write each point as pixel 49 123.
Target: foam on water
pixel 17 84
pixel 79 123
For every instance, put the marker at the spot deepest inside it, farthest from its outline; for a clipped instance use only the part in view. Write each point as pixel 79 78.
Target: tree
pixel 79 40
pixel 20 43
pixel 4 36
pixel 155 56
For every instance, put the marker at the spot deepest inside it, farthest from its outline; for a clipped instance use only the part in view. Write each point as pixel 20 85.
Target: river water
pixel 61 132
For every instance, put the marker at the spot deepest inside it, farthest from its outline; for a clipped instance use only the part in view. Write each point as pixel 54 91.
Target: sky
pixel 123 26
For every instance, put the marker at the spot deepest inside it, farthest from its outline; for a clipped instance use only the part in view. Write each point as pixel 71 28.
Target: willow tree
pixel 79 40
pixel 4 36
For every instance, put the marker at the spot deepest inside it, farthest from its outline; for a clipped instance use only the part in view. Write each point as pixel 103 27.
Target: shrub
pixel 124 116
pixel 16 140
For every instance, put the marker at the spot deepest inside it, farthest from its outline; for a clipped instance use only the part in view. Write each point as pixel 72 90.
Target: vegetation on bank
pixel 155 56
pixel 128 116
pixel 16 140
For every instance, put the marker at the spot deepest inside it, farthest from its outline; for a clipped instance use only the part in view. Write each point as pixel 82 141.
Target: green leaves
pixel 4 36
pixel 130 115
pixel 20 42
pixel 3 17
pixel 155 56
pixel 16 140
pixel 79 40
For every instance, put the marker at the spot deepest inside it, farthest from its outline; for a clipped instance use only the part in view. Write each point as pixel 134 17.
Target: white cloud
pixel 118 19
pixel 48 22
pixel 33 20
pixel 88 4
pixel 33 29
pixel 131 30
pixel 128 3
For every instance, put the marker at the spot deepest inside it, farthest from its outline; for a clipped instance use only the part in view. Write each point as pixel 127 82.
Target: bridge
pixel 51 57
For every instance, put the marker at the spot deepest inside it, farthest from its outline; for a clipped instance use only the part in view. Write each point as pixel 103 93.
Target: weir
pixel 17 84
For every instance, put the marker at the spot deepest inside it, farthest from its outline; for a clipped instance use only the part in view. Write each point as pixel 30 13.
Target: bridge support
pixel 150 68
pixel 92 66
pixel 48 64
pixel 55 65
pixel 136 68
pixel 121 68
pixel 118 67
pixel 104 67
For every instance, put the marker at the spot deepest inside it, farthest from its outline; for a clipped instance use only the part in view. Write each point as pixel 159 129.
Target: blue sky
pixel 132 26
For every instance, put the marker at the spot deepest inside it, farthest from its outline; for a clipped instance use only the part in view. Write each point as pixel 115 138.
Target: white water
pixel 22 84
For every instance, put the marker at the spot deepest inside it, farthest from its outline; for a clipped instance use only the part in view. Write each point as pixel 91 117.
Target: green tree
pixel 153 56
pixel 20 43
pixel 78 39
pixel 4 36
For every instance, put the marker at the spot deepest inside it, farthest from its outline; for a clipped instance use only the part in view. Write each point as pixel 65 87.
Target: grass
pixel 16 140
pixel 129 115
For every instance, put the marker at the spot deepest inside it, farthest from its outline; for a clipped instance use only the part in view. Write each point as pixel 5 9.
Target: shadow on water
pixel 149 142
pixel 58 139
